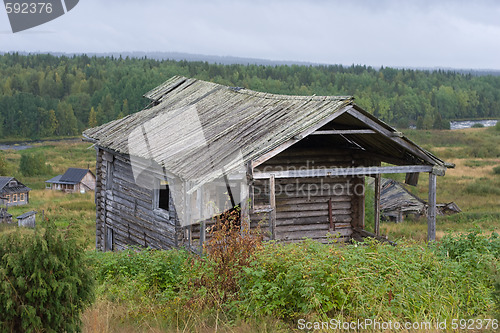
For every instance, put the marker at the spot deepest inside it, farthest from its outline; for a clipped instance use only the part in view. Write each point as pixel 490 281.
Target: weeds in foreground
pixel 229 249
pixel 177 290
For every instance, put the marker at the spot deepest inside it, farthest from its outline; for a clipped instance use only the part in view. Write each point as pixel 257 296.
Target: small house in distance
pixel 13 192
pixel 27 219
pixel 74 180
pixel 296 165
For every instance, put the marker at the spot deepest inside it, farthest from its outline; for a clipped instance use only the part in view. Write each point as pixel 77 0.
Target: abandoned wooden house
pixel 13 192
pixel 295 164
pixel 74 180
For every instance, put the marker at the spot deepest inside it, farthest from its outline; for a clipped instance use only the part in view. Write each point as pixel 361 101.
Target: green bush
pixel 496 170
pixel 34 165
pixel 45 282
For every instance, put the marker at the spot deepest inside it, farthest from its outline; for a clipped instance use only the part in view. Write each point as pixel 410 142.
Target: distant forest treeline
pixel 44 96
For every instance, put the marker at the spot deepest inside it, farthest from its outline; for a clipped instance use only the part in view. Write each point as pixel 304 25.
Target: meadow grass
pixel 124 305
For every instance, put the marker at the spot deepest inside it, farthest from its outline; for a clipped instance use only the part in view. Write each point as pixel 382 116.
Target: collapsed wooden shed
pixel 295 164
pixel 396 202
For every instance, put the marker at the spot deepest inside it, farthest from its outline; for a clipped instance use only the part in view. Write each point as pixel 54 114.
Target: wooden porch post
pixel 244 206
pixel 199 204
pixel 376 210
pixel 431 214
pixel 272 201
pixel 187 213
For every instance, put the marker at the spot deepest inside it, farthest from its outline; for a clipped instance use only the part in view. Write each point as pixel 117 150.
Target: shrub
pixel 496 296
pixel 44 282
pixel 229 251
pixel 496 170
pixel 478 125
pixel 34 164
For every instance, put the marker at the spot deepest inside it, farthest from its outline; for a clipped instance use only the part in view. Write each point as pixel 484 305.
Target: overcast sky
pixel 414 33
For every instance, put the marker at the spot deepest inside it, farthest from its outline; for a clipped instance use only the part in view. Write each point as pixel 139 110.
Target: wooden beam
pixel 272 202
pixel 330 215
pixel 199 205
pixel 340 172
pixel 298 137
pixel 376 211
pixel 431 213
pixel 245 211
pixel 338 132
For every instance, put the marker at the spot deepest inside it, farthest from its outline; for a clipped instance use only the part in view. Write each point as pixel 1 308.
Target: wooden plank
pixel 376 211
pixel 321 228
pixel 245 211
pixel 330 214
pixel 336 200
pixel 356 171
pixel 199 203
pixel 337 132
pixel 330 205
pixel 301 234
pixel 313 180
pixel 272 202
pixel 288 215
pixel 342 219
pixel 431 214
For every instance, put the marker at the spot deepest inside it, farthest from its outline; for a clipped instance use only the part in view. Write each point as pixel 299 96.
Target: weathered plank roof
pixel 197 127
pixel 26 215
pixel 6 189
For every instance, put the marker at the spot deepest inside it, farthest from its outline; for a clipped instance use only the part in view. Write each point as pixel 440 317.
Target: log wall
pixel 124 214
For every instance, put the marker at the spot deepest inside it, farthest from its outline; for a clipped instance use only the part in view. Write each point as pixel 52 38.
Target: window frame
pixel 157 192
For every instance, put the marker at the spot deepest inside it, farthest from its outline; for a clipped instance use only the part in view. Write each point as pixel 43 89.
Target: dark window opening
pixel 164 196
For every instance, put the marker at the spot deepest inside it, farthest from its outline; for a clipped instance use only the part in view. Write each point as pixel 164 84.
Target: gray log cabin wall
pixel 125 215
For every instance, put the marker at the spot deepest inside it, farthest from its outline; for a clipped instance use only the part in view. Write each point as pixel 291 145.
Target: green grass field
pixel 127 302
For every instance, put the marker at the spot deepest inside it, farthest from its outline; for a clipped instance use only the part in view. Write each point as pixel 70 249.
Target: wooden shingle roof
pixel 195 127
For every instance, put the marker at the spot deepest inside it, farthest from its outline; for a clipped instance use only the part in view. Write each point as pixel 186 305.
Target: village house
pixel 296 165
pixel 74 180
pixel 13 192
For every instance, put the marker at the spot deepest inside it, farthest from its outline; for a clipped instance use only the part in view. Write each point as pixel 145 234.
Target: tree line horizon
pixel 43 95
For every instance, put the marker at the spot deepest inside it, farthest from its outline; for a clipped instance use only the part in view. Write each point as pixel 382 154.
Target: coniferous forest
pixel 50 96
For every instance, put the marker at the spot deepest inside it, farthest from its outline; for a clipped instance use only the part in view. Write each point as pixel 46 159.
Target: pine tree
pixel 92 118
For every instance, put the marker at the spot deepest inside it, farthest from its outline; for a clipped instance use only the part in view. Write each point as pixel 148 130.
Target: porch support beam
pixel 376 211
pixel 431 213
pixel 338 132
pixel 340 172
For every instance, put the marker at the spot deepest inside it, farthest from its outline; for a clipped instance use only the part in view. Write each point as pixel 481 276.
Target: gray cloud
pixel 427 33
